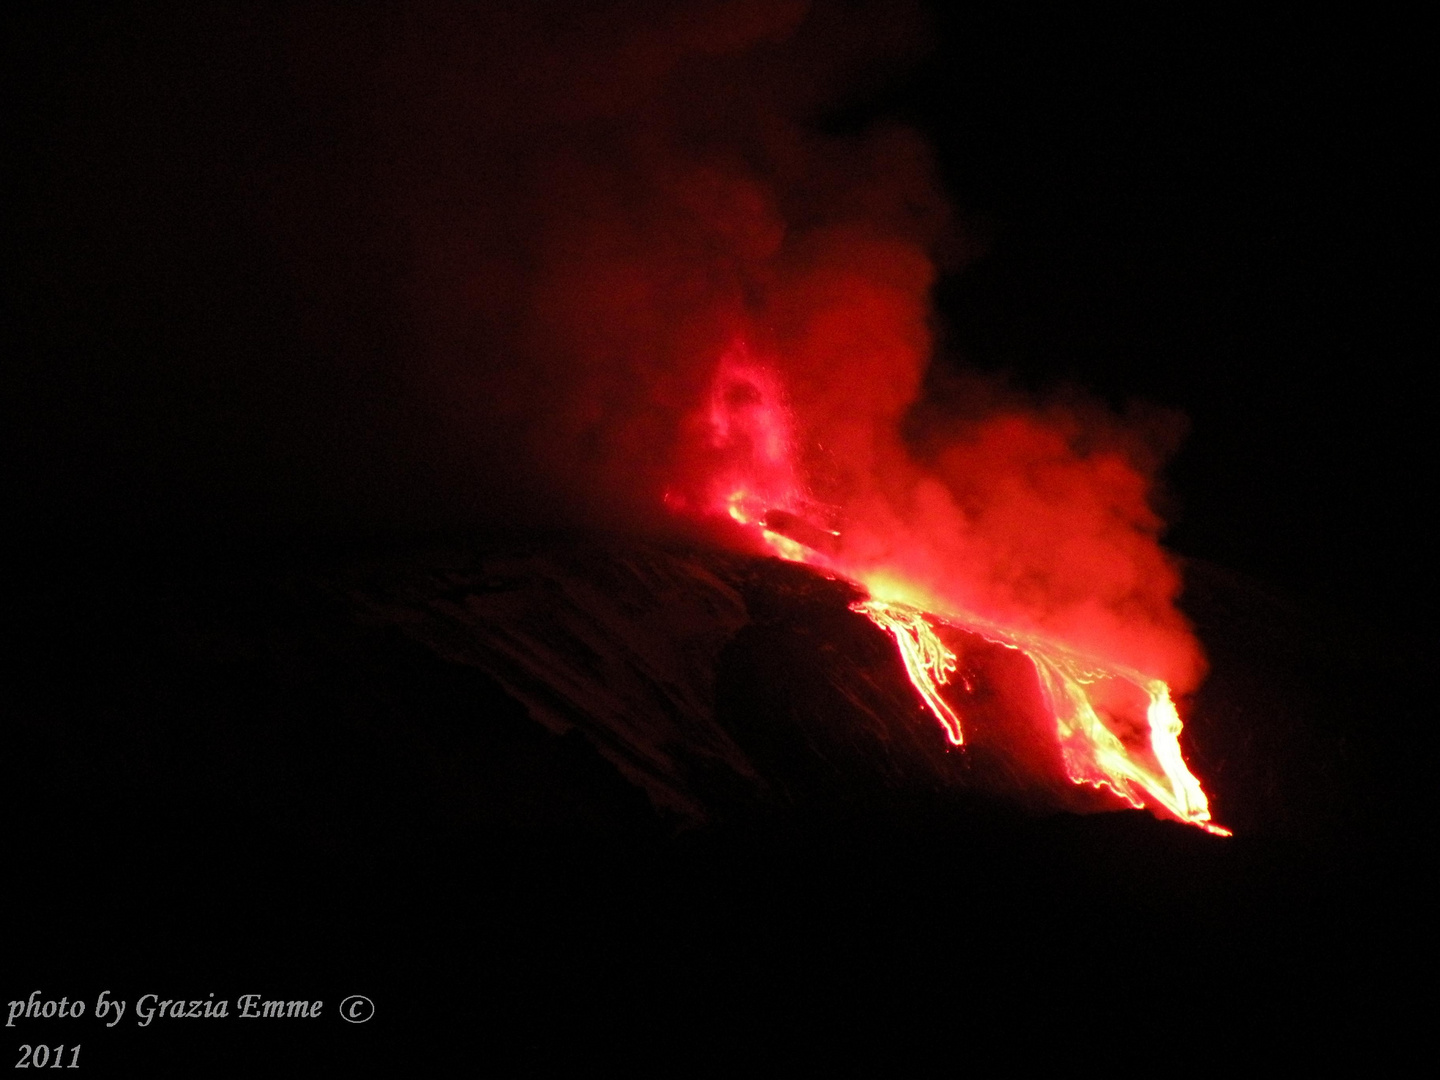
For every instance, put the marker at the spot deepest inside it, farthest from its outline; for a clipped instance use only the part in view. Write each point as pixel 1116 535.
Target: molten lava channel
pixel 761 491
pixel 1092 753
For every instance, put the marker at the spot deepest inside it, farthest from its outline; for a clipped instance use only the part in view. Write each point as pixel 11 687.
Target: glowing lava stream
pixel 927 659
pixel 763 493
pixel 1092 753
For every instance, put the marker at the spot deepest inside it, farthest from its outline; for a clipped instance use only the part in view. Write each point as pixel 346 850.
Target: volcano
pixel 724 685
pixel 714 535
pixel 675 784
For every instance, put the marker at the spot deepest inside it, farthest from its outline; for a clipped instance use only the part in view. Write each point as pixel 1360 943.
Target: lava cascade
pixel 653 267
pixel 1096 704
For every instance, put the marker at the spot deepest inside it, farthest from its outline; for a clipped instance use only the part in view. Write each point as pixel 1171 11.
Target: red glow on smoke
pixel 749 431
pixel 646 288
pixel 1057 557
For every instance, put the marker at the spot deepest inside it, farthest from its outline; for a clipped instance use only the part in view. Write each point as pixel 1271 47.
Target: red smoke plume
pixel 623 231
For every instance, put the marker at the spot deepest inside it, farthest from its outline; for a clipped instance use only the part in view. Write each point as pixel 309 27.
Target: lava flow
pixel 1096 704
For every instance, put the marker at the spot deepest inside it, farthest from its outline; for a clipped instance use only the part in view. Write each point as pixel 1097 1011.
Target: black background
pixel 1224 215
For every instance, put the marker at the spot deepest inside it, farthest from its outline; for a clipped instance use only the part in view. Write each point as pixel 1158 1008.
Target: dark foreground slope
pixel 631 802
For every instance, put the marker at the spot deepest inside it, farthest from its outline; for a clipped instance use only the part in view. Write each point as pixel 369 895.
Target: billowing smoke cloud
pixel 595 203
pixel 596 199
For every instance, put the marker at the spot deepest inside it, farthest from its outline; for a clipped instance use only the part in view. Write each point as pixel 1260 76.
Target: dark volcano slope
pixel 628 800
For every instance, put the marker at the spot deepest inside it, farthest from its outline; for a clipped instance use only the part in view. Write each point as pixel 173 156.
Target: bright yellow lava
pixel 1093 754
pixel 767 497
